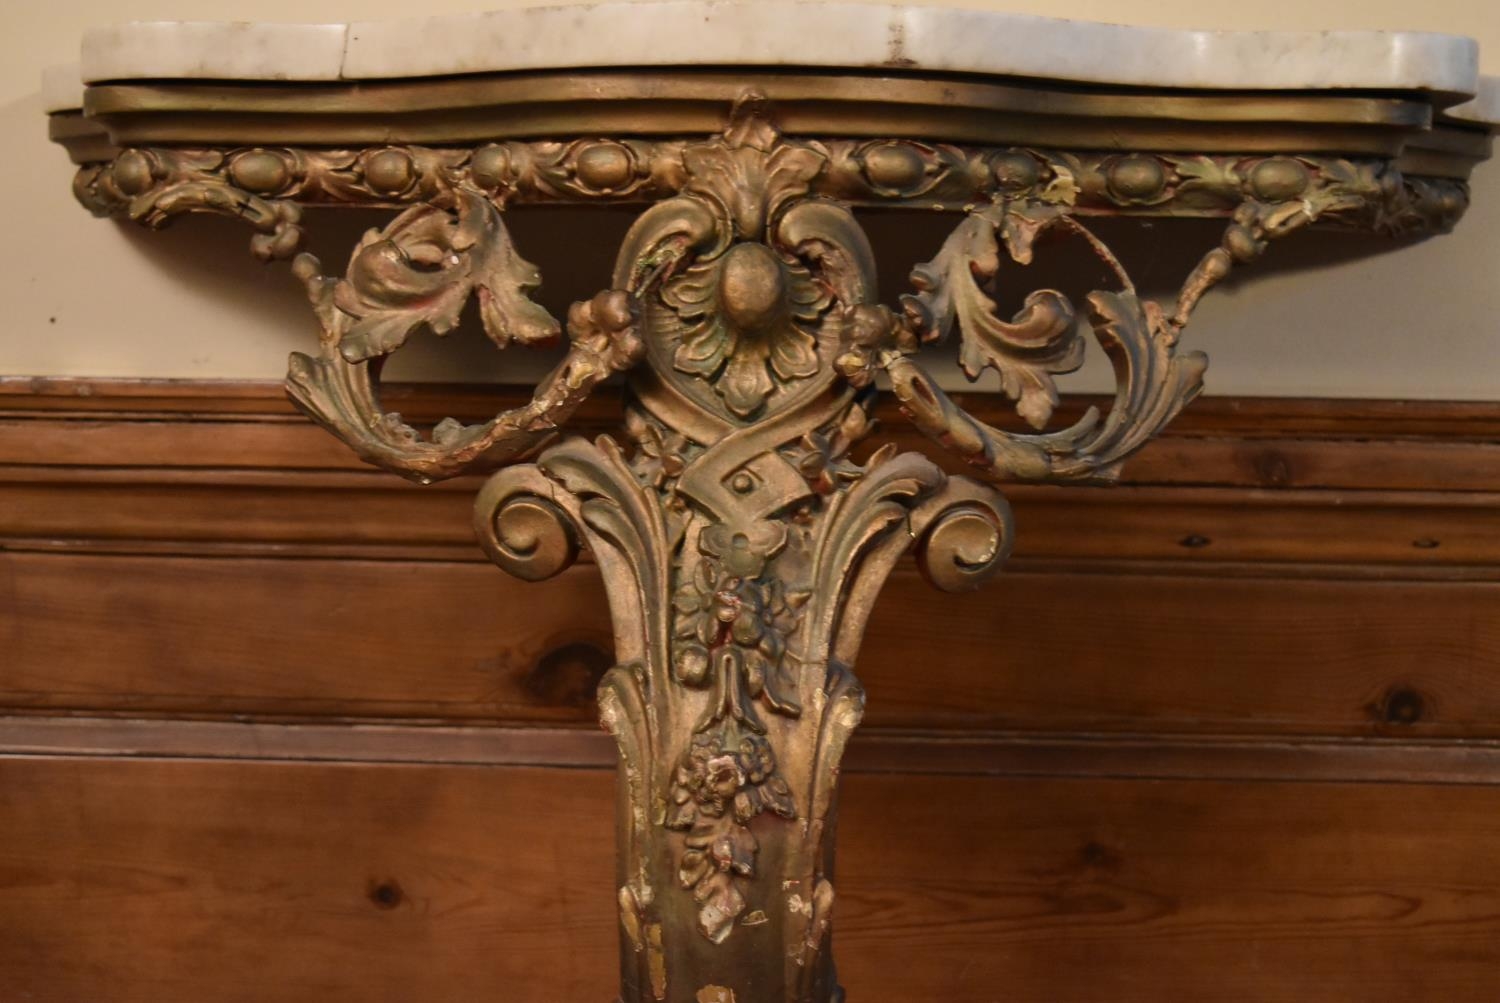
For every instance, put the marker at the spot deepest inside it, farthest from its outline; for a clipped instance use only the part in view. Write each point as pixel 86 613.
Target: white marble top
pixel 1484 109
pixel 62 88
pixel 784 33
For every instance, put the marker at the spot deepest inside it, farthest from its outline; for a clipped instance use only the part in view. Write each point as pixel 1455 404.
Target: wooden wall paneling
pixel 1170 653
pixel 226 636
pixel 190 511
pixel 182 466
pixel 270 729
pixel 1047 891
pixel 239 882
pixel 1272 443
pixel 152 882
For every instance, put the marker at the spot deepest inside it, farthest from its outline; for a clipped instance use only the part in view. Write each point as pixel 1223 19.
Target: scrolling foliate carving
pixel 418 273
pixel 1154 380
pixel 742 545
pixel 421 270
pixel 1027 351
pixel 742 526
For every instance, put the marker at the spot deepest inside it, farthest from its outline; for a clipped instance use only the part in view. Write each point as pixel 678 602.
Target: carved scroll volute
pixel 1154 380
pixel 734 695
pixel 742 547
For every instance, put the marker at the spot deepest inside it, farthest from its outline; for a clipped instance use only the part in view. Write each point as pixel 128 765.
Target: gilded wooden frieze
pixel 150 184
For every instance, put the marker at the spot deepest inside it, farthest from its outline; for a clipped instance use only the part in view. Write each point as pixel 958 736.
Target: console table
pixel 745 515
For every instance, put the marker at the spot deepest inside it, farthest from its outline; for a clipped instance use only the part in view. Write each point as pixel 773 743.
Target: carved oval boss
pixel 753 280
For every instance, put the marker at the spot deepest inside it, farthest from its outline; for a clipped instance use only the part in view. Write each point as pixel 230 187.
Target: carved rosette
pixel 742 527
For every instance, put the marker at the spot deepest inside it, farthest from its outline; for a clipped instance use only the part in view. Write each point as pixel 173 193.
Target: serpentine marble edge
pixel 699 33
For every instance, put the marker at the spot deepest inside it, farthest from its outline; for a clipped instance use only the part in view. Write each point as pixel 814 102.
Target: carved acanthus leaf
pixel 421 270
pixel 1041 341
pixel 1153 380
pixel 751 173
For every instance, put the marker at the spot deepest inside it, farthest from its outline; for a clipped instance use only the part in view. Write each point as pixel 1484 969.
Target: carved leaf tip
pixel 750 124
pixel 421 271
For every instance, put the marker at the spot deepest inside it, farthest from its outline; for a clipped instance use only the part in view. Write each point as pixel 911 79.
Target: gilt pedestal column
pixel 745 514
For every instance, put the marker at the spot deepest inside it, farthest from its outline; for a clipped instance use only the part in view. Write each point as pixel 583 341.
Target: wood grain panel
pixel 194 466
pixel 222 883
pixel 295 637
pixel 1178 653
pixel 193 511
pixel 1060 651
pixel 1129 892
pixel 271 730
pixel 1213 443
pixel 243 882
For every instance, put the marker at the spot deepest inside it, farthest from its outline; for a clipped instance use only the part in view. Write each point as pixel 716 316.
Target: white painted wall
pixel 95 298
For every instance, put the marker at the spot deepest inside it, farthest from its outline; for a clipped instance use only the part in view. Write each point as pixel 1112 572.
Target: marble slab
pixel 214 50
pixel 1484 109
pixel 664 33
pixel 62 89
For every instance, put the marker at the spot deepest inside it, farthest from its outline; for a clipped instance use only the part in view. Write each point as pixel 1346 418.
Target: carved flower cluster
pixel 869 331
pixel 732 635
pixel 711 781
pixel 661 454
pixel 716 792
pixel 822 455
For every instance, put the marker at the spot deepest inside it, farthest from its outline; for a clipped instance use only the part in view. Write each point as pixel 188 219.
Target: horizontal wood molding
pixel 430 402
pixel 1104 756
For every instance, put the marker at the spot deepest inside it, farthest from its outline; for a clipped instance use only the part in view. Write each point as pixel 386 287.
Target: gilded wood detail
pixel 920 174
pixel 741 541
